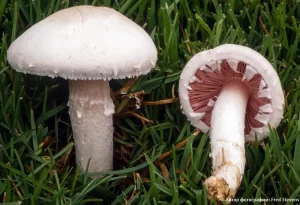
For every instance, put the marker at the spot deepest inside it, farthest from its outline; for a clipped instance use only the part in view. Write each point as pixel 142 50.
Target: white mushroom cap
pixel 86 43
pixel 233 53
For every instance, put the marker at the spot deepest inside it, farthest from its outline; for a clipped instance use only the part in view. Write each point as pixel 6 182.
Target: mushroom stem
pixel 91 109
pixel 227 140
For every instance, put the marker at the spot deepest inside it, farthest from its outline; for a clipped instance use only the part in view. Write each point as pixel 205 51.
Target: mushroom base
pixel 91 109
pixel 217 185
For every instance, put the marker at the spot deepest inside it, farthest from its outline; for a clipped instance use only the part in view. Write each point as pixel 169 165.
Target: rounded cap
pixel 84 42
pixel 232 61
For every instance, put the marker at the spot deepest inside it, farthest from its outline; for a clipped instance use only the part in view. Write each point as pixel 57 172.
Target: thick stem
pixel 91 109
pixel 227 140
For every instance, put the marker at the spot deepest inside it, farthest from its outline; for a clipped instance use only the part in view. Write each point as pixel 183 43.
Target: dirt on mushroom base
pixel 209 80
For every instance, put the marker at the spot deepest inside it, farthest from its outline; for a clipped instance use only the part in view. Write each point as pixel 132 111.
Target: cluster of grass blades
pixel 159 157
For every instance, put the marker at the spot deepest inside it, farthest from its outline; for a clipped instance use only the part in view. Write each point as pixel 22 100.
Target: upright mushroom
pixel 236 93
pixel 89 46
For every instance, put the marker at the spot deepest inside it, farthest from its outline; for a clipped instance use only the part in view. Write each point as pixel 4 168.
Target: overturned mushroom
pixel 236 93
pixel 89 46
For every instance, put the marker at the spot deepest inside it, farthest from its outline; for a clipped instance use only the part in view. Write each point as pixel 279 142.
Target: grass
pixel 36 147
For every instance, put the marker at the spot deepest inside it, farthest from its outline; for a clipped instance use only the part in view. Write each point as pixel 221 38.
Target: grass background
pixel 36 147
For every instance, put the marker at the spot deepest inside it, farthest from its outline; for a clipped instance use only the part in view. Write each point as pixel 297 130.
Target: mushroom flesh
pixel 88 46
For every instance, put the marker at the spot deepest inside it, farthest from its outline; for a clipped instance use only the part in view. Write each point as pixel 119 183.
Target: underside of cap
pixel 230 55
pixel 86 43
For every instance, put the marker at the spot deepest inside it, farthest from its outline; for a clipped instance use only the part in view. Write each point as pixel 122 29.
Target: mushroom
pixel 88 46
pixel 234 92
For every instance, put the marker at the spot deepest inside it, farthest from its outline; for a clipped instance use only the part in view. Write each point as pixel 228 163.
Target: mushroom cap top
pixel 233 53
pixel 86 43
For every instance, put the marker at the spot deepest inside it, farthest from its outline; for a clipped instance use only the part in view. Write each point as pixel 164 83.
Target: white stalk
pixel 91 109
pixel 227 140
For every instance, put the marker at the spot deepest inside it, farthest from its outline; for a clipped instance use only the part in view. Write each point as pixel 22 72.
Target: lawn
pixel 159 158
